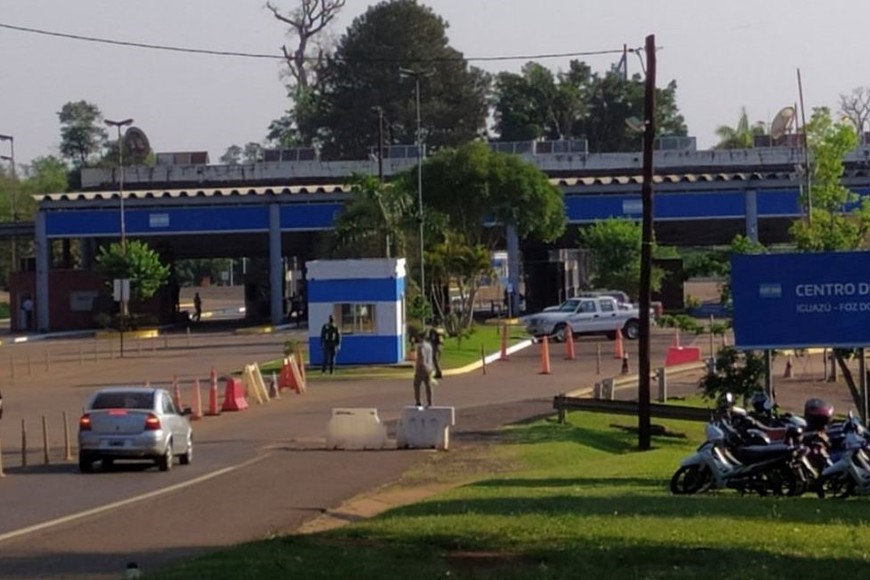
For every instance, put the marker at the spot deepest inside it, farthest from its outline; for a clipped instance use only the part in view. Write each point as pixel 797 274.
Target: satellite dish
pixel 782 123
pixel 635 124
pixel 136 142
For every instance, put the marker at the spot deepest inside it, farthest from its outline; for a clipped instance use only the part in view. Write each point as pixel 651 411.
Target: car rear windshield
pixel 124 401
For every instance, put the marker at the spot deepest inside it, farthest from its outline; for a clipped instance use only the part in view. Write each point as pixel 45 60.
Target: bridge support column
pixel 43 264
pixel 276 266
pixel 752 214
pixel 513 252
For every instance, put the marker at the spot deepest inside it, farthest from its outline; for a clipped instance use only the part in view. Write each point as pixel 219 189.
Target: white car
pixel 122 423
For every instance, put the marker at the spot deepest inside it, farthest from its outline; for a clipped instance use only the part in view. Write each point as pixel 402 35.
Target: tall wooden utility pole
pixel 649 135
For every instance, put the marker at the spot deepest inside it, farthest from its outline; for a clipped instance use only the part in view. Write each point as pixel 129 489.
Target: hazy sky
pixel 723 55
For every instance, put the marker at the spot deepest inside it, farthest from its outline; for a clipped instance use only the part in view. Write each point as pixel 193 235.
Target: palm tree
pixel 376 222
pixel 740 137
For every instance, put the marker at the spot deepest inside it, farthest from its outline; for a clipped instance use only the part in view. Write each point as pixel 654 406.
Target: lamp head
pixel 118 124
pixel 7 138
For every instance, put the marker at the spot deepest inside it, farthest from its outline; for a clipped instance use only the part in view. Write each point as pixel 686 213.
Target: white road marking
pixel 125 502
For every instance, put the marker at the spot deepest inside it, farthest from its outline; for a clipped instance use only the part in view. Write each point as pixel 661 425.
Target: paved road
pixel 273 472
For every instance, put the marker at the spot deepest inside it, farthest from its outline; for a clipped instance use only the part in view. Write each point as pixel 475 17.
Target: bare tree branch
pixel 856 107
pixel 305 22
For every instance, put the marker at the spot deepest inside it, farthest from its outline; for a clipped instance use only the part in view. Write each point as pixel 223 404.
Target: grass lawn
pixel 577 501
pixel 455 354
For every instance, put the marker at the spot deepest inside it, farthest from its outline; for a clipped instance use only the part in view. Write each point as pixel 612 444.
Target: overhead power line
pixel 276 56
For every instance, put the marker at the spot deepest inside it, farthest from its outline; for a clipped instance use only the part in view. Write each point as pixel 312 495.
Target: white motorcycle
pixel 780 468
pixel 850 472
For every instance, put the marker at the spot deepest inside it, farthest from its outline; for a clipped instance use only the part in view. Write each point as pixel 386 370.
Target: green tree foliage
pixel 738 373
pixel 377 222
pixel 363 74
pixel 46 174
pixel 578 103
pixel 82 134
pixel 839 219
pixel 235 155
pixel 740 137
pixel 474 185
pixel 456 266
pixel 614 246
pixel 138 263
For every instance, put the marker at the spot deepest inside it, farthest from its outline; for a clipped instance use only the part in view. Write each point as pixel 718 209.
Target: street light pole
pixel 417 74
pixel 119 125
pixel 12 196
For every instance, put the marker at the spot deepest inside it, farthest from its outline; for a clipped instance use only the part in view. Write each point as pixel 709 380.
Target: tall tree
pixel 839 219
pixel 856 107
pixel 473 186
pixel 740 137
pixel 615 247
pixel 364 74
pixel 536 103
pixel 308 25
pixel 82 135
pixel 305 22
pixel 377 222
pixel 578 103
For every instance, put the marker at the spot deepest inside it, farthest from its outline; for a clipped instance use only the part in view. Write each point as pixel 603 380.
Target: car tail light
pixel 152 423
pixel 85 423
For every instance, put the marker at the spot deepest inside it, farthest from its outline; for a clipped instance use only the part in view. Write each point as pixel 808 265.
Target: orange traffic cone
pixel 789 372
pixel 197 401
pixel 545 356
pixel 618 351
pixel 569 343
pixel 176 392
pixel 504 340
pixel 213 408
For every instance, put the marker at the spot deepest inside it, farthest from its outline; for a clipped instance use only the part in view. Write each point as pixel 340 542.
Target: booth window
pixel 355 318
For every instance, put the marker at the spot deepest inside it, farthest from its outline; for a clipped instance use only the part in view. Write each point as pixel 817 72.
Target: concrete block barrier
pixel 351 428
pixel 425 428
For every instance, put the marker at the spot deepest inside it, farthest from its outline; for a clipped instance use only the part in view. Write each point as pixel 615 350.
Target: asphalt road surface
pixel 255 473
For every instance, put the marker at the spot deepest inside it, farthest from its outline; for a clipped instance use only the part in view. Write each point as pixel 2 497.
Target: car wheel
pixel 631 330
pixel 164 462
pixel 559 333
pixel 186 457
pixel 86 463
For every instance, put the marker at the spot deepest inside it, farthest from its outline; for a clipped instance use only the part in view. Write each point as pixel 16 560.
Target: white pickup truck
pixel 585 315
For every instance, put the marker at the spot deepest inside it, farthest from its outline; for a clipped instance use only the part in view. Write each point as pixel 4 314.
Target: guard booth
pixel 367 300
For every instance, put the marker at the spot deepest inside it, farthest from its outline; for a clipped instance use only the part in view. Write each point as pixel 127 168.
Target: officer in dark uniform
pixel 330 342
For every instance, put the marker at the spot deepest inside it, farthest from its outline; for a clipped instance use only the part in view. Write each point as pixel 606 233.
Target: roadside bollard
pixel 23 444
pixel 1 460
pixel 625 364
pixel 188 337
pixel 598 358
pixel 12 367
pixel 45 454
pixel 482 359
pixel 67 446
pixel 81 354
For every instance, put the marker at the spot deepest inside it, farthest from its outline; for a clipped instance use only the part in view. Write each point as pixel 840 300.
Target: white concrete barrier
pixel 355 429
pixel 425 428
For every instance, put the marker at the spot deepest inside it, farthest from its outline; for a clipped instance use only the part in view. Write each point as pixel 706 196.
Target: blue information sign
pixel 801 300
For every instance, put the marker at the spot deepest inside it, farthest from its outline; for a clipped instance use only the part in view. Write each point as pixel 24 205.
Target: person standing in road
pixel 27 308
pixel 330 342
pixel 423 371
pixel 436 339
pixel 197 307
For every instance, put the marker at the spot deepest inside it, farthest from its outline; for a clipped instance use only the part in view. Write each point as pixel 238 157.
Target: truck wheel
pixel 559 333
pixel 631 330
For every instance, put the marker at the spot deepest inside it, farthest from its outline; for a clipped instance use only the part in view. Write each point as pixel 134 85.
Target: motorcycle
pixel 849 473
pixel 776 468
